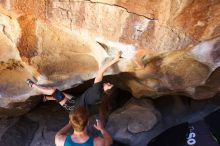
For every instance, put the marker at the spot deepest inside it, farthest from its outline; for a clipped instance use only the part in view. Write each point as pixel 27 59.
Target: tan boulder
pixel 168 47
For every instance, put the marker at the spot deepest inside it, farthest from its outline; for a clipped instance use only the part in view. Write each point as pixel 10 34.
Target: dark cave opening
pixel 48 117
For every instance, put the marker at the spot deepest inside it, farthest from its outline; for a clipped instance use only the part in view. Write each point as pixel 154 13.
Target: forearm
pixel 107 65
pixel 65 129
pixel 101 71
pixel 61 135
pixel 107 137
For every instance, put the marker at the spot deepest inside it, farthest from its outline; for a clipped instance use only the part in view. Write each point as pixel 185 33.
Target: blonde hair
pixel 79 118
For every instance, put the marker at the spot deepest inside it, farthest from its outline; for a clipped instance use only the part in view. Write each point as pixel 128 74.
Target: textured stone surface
pixel 131 27
pixel 21 134
pixel 173 110
pixel 33 129
pixel 38 127
pixel 127 121
pixel 168 46
pixel 50 117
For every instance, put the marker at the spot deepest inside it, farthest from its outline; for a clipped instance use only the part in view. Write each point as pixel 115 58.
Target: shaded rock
pixel 37 128
pixel 136 125
pixel 214 79
pixel 128 120
pixel 20 134
pixel 18 108
pixel 179 109
pixel 204 92
pixel 50 117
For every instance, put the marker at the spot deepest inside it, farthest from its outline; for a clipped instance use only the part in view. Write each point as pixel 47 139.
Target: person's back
pixel 70 142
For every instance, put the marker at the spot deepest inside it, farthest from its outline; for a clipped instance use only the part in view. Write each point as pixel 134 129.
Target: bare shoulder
pixel 98 141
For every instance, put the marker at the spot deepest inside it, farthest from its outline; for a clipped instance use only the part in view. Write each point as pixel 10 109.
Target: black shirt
pixel 93 94
pixel 90 97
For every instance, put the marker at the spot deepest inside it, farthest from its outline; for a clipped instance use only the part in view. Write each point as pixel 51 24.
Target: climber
pixel 78 121
pixel 89 97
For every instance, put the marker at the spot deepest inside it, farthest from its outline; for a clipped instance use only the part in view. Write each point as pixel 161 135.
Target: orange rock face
pixel 168 46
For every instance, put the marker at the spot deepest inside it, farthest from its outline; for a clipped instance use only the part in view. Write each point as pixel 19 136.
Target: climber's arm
pixel 61 135
pixel 99 75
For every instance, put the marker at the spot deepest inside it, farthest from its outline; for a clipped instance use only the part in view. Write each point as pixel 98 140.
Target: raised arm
pixel 61 135
pixel 99 74
pixel 107 137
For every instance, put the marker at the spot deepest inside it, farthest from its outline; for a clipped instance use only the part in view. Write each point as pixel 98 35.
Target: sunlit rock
pixel 168 47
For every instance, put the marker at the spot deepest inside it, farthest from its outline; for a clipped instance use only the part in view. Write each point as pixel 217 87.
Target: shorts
pixel 58 95
pixel 70 104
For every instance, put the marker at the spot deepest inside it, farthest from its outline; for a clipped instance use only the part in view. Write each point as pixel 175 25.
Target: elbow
pixel 56 139
pixel 108 142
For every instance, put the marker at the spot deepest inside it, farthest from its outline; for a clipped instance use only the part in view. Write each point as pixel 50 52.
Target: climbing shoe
pixel 29 82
